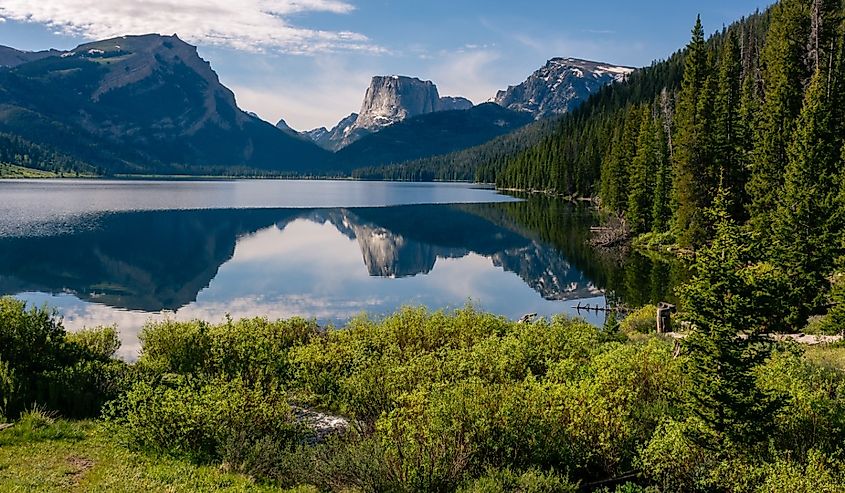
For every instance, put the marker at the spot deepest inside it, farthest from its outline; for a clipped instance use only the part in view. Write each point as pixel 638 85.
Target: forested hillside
pixel 474 164
pixel 754 115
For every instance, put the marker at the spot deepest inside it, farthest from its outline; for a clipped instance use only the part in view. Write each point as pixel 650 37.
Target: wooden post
pixel 664 317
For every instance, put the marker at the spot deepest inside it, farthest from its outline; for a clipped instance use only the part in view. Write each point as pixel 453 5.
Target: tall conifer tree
pixel 693 163
pixel 784 73
pixel 806 232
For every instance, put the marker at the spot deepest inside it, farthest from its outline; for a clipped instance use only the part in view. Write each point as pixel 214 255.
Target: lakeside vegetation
pixel 433 401
pixel 14 171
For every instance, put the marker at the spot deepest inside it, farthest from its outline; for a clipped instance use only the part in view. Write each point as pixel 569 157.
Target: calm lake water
pixel 127 252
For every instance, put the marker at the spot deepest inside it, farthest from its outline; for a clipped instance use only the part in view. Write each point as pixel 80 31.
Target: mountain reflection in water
pixel 128 267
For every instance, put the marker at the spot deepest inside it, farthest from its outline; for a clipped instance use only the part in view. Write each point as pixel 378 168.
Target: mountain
pixel 284 127
pixel 10 57
pixel 452 103
pixel 389 100
pixel 560 86
pixel 549 94
pixel 431 134
pixel 143 104
pixel 331 139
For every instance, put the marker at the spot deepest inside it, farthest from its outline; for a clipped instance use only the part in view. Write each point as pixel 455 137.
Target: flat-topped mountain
pixel 142 104
pixel 389 100
pixel 560 86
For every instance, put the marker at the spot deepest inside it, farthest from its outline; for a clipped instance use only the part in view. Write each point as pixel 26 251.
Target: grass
pixel 827 355
pixel 42 455
pixel 14 171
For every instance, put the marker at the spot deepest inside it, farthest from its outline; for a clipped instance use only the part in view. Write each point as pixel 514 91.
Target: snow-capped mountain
pixel 560 86
pixel 389 100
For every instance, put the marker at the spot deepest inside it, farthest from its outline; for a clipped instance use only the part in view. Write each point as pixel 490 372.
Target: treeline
pixel 757 119
pixel 21 152
pixel 477 163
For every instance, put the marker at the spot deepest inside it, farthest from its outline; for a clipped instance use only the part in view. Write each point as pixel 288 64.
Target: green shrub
pixel 834 321
pixel 41 365
pixel 821 473
pixel 196 418
pixel 674 462
pixel 813 413
pixel 8 389
pixel 532 481
pixel 352 462
pixel 175 347
pixel 254 350
pixel 100 343
pixel 642 321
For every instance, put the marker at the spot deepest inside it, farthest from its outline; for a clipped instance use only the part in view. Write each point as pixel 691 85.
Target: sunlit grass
pixel 41 455
pixel 14 171
pixel 828 355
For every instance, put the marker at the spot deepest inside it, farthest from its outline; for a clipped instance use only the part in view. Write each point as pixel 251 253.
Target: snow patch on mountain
pixel 560 86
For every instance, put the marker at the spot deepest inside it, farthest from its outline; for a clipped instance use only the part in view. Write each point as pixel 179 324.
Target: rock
pixel 452 103
pixel 332 139
pixel 323 425
pixel 389 100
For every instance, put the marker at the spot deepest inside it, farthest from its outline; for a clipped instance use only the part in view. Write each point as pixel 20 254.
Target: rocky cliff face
pixel 389 100
pixel 392 99
pixel 560 86
pixel 332 139
pixel 452 103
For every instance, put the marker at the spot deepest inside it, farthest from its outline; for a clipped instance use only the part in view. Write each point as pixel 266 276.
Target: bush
pixel 175 347
pixel 674 462
pixel 254 350
pixel 642 321
pixel 41 365
pixel 813 413
pixel 532 481
pixel 201 419
pixel 819 473
pixel 100 343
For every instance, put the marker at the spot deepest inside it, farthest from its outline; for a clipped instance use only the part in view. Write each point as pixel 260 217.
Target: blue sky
pixel 310 61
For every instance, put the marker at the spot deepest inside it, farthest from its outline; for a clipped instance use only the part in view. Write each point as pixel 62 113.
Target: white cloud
pixel 329 89
pixel 253 25
pixel 470 73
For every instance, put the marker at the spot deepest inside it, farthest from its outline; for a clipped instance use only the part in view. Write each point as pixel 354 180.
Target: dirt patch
pixel 79 465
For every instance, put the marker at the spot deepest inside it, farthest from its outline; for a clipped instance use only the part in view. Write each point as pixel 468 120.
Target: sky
pixel 310 61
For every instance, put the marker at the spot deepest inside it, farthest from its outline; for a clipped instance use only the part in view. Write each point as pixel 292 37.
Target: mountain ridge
pixel 560 86
pixel 145 103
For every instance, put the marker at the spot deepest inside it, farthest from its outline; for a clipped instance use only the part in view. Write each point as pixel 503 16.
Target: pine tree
pixel 661 211
pixel 728 151
pixel 643 168
pixel 784 73
pixel 806 229
pixel 729 302
pixel 693 160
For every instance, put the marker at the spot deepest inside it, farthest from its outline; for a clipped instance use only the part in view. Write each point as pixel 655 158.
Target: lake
pixel 127 252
